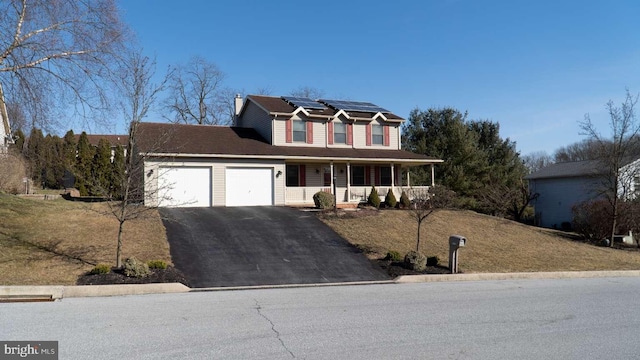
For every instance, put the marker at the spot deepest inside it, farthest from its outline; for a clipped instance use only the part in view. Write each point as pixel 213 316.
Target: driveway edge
pixel 515 276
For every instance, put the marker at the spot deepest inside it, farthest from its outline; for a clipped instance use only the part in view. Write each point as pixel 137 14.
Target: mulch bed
pixel 168 275
pixel 397 268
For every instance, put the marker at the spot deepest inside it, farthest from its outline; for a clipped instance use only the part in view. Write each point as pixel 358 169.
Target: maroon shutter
pixel 377 176
pixel 367 175
pixel 289 130
pixel 386 135
pixel 302 175
pixel 330 134
pixel 398 181
pixel 349 134
pixel 368 134
pixel 309 132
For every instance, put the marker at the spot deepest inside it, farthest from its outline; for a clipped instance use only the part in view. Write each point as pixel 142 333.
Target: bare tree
pixel 506 201
pixel 56 53
pixel 426 202
pixel 537 160
pixel 308 92
pixel 613 152
pixel 196 95
pixel 138 94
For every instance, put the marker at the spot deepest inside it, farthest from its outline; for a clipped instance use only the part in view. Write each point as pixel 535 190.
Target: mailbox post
pixel 455 242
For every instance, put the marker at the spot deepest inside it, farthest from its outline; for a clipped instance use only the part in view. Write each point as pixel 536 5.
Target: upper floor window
pixel 299 131
pixel 377 134
pixel 339 133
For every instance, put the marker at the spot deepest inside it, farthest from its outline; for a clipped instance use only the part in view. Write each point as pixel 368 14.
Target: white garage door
pixel 249 186
pixel 184 186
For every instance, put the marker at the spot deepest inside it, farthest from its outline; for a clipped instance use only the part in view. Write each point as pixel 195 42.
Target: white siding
pixel 280 134
pixel 558 196
pixel 254 117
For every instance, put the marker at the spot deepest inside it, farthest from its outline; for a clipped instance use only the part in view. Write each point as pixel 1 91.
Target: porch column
pixel 408 178
pixel 433 175
pixel 331 167
pixel 348 181
pixel 393 178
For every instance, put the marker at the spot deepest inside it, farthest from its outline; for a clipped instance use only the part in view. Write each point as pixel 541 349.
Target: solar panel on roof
pixel 306 103
pixel 355 106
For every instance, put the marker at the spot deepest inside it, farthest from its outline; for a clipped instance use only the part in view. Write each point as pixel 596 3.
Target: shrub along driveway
pixel 240 246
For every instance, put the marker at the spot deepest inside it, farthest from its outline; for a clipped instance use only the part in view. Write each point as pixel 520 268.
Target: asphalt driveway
pixel 240 246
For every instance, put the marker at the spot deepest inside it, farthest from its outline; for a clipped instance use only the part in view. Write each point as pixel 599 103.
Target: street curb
pixel 290 286
pixel 405 279
pixel 15 293
pixel 55 292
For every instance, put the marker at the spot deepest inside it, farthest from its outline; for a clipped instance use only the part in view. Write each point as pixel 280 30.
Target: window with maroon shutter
pixel 309 132
pixel 340 133
pixel 368 135
pixel 289 130
pixel 377 134
pixel 299 131
pixel 358 176
pixel 386 135
pixel 349 134
pixel 385 175
pixel 303 175
pixel 292 175
pixel 330 132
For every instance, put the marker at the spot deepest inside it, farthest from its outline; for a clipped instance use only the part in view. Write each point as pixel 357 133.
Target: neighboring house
pixel 563 185
pixel 282 151
pixel 114 140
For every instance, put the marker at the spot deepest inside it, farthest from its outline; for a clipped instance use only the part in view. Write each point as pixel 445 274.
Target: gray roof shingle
pixel 585 168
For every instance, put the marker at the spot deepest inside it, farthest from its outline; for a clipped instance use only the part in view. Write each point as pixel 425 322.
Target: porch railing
pixel 304 195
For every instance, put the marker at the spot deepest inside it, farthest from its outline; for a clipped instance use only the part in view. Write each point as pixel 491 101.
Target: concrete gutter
pixel 516 276
pixel 29 293
pixel 49 293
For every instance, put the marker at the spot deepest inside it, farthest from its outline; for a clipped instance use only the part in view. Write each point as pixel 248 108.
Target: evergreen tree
pixel 52 169
pixel 443 133
pixel 117 173
pixel 480 166
pixel 101 169
pixel 33 153
pixel 69 150
pixel 84 160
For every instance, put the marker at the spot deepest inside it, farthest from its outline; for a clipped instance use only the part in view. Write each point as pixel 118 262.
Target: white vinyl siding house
pixel 279 154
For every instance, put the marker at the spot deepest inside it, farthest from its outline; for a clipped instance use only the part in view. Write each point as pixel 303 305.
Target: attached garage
pixel 180 186
pixel 249 186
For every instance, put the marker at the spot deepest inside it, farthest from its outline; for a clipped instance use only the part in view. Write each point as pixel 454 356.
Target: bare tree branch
pixel 57 54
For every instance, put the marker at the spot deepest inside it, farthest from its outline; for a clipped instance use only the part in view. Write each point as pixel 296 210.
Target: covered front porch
pixel 351 180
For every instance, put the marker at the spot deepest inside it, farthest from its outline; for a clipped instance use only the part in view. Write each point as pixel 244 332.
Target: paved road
pixel 525 319
pixel 240 246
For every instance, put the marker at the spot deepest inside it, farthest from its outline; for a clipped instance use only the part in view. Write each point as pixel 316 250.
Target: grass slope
pixel 76 236
pixel 494 244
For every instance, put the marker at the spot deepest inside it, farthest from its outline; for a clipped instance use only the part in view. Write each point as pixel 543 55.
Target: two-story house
pixel 281 152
